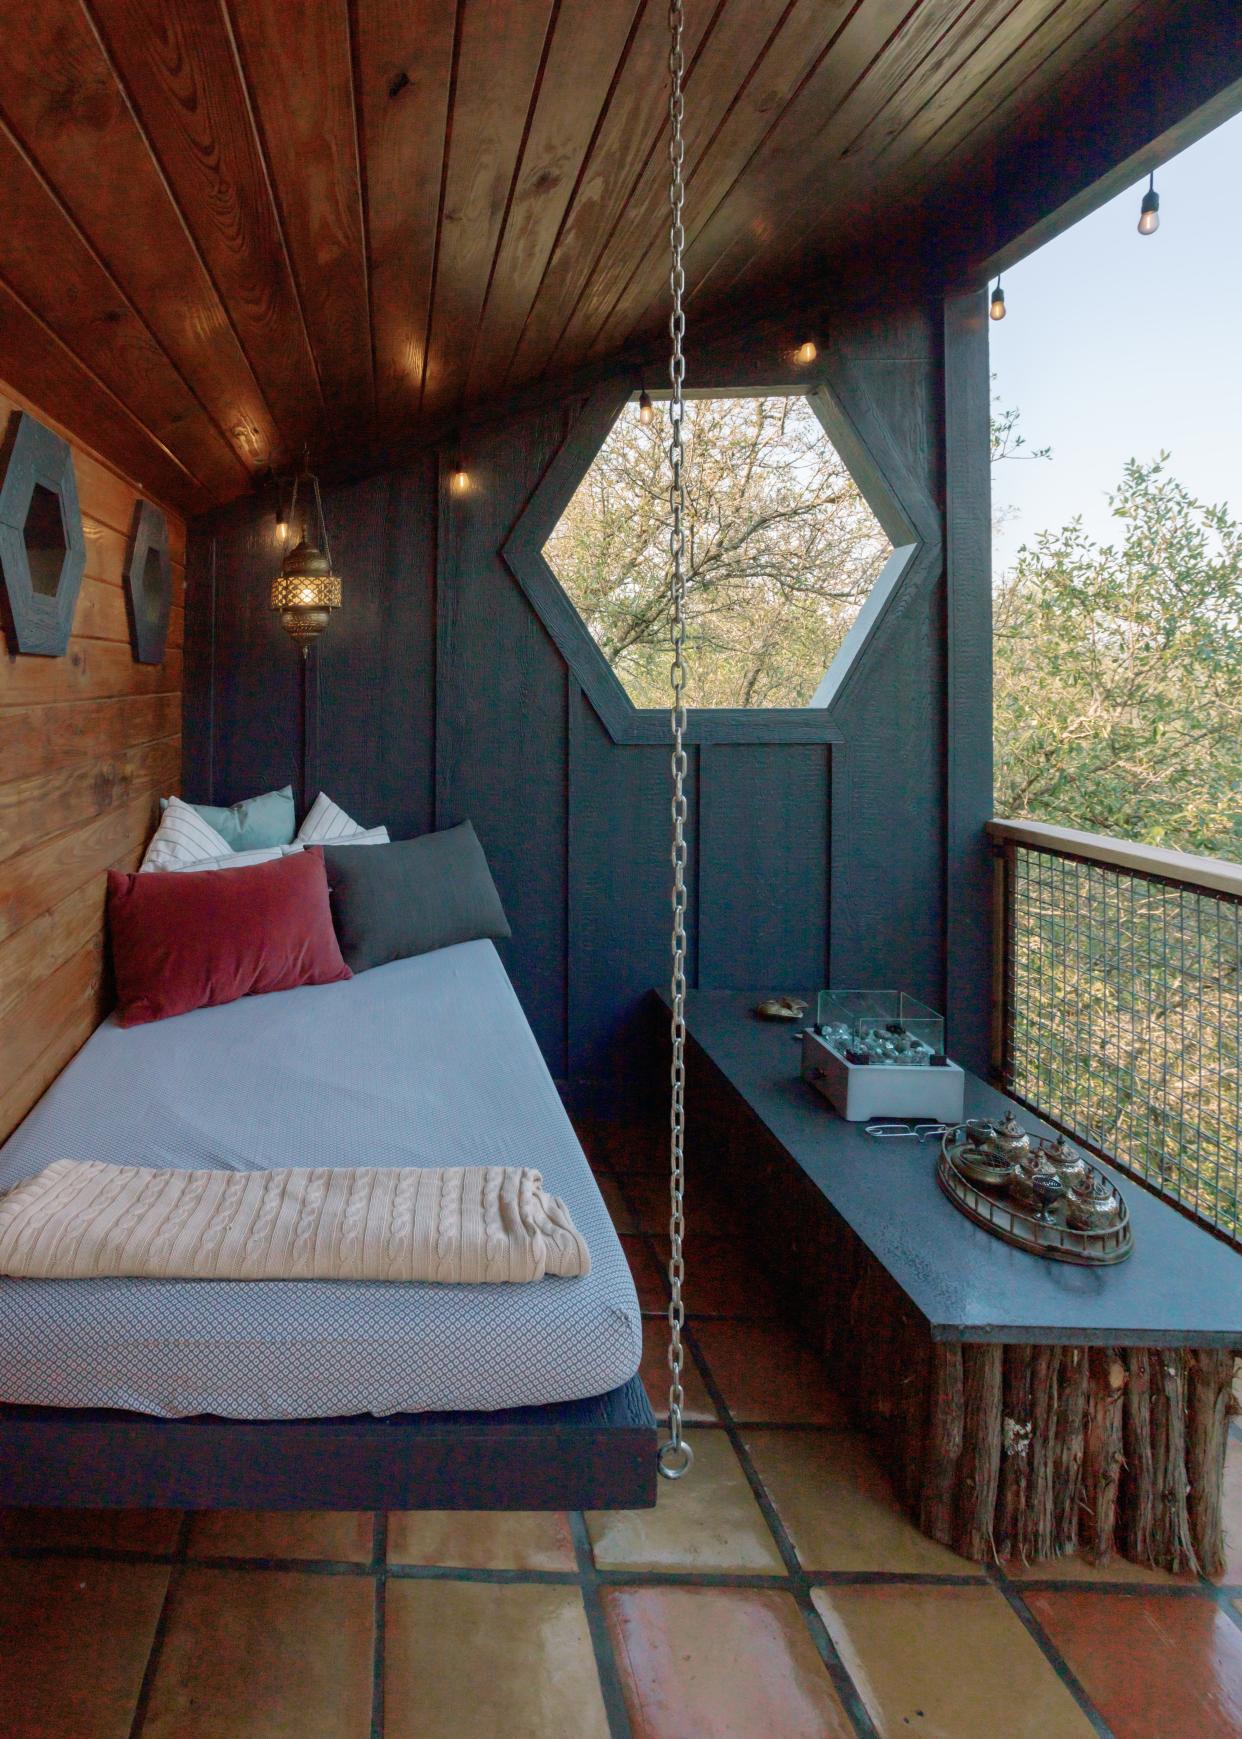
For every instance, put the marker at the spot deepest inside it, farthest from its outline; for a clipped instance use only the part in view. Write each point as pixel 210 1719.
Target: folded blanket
pixel 78 1220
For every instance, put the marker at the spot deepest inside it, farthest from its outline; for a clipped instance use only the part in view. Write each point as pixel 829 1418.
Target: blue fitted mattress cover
pixel 423 1062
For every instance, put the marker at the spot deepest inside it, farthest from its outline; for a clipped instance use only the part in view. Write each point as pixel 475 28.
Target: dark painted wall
pixel 437 694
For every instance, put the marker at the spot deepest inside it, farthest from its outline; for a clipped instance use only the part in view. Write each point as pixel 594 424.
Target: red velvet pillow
pixel 184 939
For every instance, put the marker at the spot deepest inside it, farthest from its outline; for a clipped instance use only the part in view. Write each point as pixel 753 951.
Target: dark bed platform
pixel 592 1454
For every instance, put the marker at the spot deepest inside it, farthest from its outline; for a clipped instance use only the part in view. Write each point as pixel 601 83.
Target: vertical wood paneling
pixel 619 880
pixel 501 729
pixel 763 870
pixel 888 815
pixel 87 744
pixel 968 588
pixel 376 666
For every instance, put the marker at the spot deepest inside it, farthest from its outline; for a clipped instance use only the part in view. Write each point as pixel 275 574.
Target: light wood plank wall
pixel 88 743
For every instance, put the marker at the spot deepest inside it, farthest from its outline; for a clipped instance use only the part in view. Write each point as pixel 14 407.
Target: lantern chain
pixel 676 1454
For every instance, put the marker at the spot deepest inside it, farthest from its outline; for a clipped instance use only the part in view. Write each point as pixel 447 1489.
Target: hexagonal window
pixel 44 537
pixel 782 551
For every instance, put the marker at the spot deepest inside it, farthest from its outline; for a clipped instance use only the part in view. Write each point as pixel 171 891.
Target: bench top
pixel 1181 1286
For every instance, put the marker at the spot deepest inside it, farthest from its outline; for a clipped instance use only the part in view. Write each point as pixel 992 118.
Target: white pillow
pixel 183 840
pixel 237 859
pixel 328 824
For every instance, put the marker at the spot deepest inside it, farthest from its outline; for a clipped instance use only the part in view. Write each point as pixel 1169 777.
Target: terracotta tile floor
pixel 777 1593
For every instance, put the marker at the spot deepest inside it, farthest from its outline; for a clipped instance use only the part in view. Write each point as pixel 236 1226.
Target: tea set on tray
pixel 1035 1192
pixel 1036 1174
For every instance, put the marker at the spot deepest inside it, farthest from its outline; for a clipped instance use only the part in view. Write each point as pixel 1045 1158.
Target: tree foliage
pixel 781 552
pixel 1119 672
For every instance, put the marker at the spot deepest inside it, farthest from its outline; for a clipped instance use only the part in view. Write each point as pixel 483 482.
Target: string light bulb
pixel 646 410
pixel 808 351
pixel 459 483
pixel 996 309
pixel 1149 211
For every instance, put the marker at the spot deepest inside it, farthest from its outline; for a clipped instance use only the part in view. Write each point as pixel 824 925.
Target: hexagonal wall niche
pixel 795 544
pixel 148 585
pixel 42 547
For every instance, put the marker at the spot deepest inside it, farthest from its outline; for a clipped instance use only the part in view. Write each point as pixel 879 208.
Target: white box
pixel 861 1091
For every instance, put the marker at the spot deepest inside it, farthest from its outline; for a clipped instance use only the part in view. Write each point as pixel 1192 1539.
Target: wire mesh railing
pixel 1118 1006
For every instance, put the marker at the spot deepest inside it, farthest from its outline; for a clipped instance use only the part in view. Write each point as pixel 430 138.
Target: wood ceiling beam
pixel 501 52
pixel 298 71
pixel 64 104
pixel 584 63
pixel 176 61
pixel 403 59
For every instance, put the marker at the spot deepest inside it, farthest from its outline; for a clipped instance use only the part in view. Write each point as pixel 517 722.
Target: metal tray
pixel 1005 1219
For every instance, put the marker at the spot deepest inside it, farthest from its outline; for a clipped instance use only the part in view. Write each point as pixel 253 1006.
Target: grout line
pixel 176 1560
pixel 379 1569
pixel 795 1577
pixel 589 1580
pixel 1051 1653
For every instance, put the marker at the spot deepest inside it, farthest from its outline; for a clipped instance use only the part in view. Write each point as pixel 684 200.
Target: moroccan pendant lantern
pixel 306 591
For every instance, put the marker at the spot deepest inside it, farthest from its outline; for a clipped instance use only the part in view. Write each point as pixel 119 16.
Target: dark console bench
pixel 1025 1407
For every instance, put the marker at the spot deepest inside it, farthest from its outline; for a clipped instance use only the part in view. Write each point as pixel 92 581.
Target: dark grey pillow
pixel 391 901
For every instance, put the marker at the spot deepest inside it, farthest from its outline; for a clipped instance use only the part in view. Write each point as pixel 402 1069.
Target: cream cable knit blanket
pixel 78 1220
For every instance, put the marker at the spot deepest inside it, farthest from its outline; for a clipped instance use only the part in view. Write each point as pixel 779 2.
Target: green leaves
pixel 1119 672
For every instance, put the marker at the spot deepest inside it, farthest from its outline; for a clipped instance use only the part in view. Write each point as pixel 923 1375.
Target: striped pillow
pixel 182 840
pixel 328 824
pixel 238 859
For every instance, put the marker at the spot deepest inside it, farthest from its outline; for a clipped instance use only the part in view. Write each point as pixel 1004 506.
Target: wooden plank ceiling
pixel 233 227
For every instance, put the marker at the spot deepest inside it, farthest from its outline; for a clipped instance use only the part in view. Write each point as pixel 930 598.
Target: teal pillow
pixel 254 823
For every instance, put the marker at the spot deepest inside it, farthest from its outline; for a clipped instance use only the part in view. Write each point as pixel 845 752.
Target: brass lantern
pixel 306 591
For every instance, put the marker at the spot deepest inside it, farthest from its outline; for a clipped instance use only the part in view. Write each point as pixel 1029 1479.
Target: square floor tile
pixel 473 1660
pixel 623 1217
pixel 721 1279
pixel 74 1641
pixel 697 1405
pixel 265 1654
pixel 1154 1665
pixel 707 1521
pixel 955 1663
pixel 839 1506
pixel 633 1148
pixel 767 1375
pixel 708 1210
pixel 649 1281
pixel 1117 1572
pixel 482 1539
pixel 340 1536
pixel 735 1661
pixel 100 1530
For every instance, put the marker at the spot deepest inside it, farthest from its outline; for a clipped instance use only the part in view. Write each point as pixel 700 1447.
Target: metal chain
pixel 676 1455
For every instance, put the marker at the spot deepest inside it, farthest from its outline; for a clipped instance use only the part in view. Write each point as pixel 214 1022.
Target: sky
pixel 1119 346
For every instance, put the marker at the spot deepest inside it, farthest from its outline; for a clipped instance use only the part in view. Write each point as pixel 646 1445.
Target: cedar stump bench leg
pixel 1035 1451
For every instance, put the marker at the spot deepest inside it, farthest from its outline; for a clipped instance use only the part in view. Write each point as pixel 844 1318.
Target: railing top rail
pixel 1209 874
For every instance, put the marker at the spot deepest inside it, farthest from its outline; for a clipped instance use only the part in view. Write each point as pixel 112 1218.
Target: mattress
pixel 423 1062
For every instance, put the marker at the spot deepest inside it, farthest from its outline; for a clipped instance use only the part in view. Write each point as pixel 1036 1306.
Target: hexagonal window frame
pixel 148 626
pixel 39 622
pixel 628 723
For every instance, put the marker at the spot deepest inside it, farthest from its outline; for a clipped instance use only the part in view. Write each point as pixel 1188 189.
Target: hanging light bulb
pixel 459 483
pixel 1149 211
pixel 306 591
pixel 997 307
pixel 808 351
pixel 646 410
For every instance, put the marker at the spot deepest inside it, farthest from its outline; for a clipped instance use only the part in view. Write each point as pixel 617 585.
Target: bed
pixel 317 1393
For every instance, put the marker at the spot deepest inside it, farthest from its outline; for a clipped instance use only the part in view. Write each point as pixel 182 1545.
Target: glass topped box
pixel 887 1026
pixel 880 1053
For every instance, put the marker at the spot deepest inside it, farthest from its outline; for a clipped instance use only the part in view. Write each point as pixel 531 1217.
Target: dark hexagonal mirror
pixel 42 547
pixel 148 585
